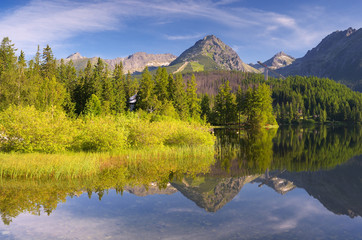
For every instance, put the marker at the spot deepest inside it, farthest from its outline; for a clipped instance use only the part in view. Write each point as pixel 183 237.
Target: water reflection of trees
pixel 294 149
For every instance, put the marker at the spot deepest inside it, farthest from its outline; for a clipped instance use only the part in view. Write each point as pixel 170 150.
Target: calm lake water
pixel 294 183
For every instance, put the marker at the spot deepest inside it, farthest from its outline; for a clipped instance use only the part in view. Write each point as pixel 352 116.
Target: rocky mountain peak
pixel 75 56
pixel 279 60
pixel 210 37
pixel 350 31
pixel 211 51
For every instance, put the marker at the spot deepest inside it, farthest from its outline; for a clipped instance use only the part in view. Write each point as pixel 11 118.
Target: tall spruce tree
pixel 258 106
pixel 178 95
pixel 48 63
pixel 119 103
pixel 161 84
pixel 8 74
pixel 147 99
pixel 225 105
pixel 205 107
pixel 192 99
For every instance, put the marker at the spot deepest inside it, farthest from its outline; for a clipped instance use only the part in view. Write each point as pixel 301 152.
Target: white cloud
pixel 184 37
pixel 42 22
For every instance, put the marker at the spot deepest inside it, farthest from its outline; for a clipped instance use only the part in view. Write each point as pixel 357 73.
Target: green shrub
pixel 100 134
pixel 189 134
pixel 162 130
pixel 25 129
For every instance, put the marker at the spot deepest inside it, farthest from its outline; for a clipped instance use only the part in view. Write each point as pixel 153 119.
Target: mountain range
pixel 133 63
pixel 338 56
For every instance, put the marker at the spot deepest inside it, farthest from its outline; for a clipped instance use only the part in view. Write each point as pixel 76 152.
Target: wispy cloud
pixel 184 37
pixel 42 22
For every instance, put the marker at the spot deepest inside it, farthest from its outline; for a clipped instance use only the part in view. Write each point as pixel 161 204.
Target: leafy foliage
pixel 26 129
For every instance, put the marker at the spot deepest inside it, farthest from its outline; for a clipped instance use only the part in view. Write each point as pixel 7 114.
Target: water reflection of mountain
pixel 339 189
pixel 152 189
pixel 274 181
pixel 211 193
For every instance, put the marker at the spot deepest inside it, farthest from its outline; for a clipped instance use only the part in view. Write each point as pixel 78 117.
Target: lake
pixel 290 183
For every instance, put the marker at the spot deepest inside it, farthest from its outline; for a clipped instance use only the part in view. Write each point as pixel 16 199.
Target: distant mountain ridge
pixel 338 56
pixel 133 63
pixel 210 53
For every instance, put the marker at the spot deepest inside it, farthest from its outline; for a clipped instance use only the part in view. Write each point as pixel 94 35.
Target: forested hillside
pixel 220 97
pixel 294 99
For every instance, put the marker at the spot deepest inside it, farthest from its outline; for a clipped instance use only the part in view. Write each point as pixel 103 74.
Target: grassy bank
pixel 79 165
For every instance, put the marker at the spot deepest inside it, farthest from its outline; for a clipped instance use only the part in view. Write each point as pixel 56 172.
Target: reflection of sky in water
pixel 255 213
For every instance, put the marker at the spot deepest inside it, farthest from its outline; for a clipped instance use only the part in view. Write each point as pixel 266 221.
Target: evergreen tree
pixel 131 88
pixel 178 95
pixel 22 79
pixel 147 100
pixel 8 74
pixel 83 89
pixel 205 107
pixel 93 106
pixel 51 93
pixel 48 64
pixel 162 84
pixel 98 78
pixel 225 105
pixel 259 108
pixel 67 75
pixel 192 99
pixel 119 103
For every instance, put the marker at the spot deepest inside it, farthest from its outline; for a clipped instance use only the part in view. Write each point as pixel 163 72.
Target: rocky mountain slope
pixel 338 56
pixel 133 63
pixel 210 53
pixel 279 60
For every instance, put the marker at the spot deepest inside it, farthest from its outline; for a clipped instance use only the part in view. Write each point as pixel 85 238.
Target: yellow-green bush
pixel 100 134
pixel 167 131
pixel 189 135
pixel 25 129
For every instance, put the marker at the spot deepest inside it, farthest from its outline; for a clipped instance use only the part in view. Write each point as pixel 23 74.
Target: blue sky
pixel 255 29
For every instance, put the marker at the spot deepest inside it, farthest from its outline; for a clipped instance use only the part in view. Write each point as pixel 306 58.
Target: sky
pixel 255 29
